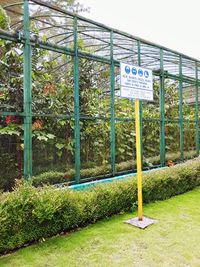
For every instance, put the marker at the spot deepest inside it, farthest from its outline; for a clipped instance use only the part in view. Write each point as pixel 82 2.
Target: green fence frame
pixel 28 42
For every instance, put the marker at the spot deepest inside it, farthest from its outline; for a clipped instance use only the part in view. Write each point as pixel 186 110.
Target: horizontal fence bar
pixel 11 113
pixel 83 117
pixel 13 37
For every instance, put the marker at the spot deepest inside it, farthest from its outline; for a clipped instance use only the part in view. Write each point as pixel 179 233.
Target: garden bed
pixel 29 214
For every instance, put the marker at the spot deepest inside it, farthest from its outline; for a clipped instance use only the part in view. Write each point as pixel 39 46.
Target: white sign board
pixel 136 82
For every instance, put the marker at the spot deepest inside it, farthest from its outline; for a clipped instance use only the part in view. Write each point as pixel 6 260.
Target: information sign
pixel 136 82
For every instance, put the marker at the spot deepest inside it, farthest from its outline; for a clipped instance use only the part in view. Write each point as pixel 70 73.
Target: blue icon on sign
pixel 134 71
pixel 127 69
pixel 146 74
pixel 140 72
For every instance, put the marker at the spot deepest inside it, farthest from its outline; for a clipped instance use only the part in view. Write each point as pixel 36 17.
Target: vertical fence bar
pixel 181 109
pixel 27 96
pixel 140 104
pixel 112 106
pixel 76 105
pixel 162 111
pixel 197 109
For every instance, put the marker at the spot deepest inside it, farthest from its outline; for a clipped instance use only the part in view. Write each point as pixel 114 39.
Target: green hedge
pixel 28 214
pixel 55 177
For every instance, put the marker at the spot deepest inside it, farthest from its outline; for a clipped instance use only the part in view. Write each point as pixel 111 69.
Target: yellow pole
pixel 138 154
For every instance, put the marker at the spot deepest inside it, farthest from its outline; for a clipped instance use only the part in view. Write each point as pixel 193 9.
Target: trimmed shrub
pixel 28 214
pixel 52 177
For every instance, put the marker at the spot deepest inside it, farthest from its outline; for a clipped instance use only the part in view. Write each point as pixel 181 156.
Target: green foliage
pixel 8 171
pixel 4 20
pixel 28 214
pixel 52 177
pixel 53 106
pixel 57 177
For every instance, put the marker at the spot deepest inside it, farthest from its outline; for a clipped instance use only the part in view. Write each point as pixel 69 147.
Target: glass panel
pixel 51 26
pixel 11 77
pixel 14 15
pixel 95 148
pixel 94 85
pixel 151 143
pixel 125 145
pixel 171 62
pixel 149 56
pixel 53 148
pixel 171 99
pixel 189 140
pixel 152 109
pixel 93 39
pixel 53 84
pixel 189 101
pixel 172 141
pixel 11 150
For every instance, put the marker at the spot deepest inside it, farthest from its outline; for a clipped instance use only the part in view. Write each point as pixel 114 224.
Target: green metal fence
pixel 71 114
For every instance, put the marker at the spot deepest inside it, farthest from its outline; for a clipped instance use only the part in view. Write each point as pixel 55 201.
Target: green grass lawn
pixel 173 241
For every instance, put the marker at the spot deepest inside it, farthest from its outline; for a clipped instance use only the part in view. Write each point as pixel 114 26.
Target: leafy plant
pixel 29 214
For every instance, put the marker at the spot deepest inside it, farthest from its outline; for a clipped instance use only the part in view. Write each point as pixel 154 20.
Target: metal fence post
pixel 76 105
pixel 197 109
pixel 112 106
pixel 181 109
pixel 27 96
pixel 162 111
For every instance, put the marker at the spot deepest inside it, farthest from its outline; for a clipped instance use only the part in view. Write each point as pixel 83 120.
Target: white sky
pixel 171 23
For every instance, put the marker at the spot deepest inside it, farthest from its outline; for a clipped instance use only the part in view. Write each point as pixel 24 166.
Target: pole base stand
pixel 141 224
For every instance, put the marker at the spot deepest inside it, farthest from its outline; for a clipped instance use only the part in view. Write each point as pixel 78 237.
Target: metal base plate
pixel 141 224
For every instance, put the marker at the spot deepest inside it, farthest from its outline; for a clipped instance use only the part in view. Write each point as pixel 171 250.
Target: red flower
pixel 10 119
